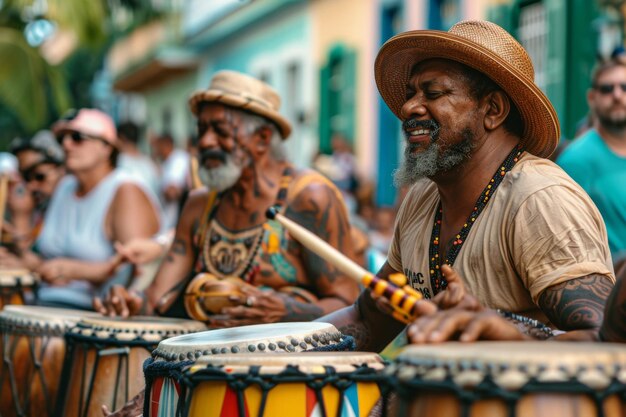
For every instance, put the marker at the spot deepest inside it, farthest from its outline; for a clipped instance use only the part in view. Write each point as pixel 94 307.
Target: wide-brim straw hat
pixel 245 92
pixel 485 47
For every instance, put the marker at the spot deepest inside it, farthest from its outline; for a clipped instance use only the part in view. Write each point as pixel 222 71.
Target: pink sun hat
pixel 90 122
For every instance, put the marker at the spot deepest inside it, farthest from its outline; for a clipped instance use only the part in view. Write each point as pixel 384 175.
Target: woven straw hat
pixel 485 47
pixel 243 91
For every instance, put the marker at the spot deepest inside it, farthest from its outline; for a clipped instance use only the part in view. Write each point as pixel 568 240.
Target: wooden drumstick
pixel 195 176
pixel 403 301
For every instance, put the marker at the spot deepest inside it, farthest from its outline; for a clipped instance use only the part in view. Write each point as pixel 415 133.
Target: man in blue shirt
pixel 597 160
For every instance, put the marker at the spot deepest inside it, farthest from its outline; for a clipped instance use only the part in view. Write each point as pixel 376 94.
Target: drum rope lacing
pixel 161 364
pixel 239 381
pixel 489 387
pixel 437 280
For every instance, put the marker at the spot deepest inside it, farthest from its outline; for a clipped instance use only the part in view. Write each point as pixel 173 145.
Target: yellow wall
pixel 355 24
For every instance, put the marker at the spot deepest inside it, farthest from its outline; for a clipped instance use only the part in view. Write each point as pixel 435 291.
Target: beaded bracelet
pixel 531 327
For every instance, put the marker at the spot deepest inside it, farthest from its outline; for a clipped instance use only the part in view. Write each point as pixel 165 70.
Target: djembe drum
pixel 32 347
pixel 104 360
pixel 332 384
pixel 506 379
pixel 164 370
pixel 17 286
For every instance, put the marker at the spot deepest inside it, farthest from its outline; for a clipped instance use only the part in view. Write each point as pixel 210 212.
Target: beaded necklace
pixel 437 280
pixel 227 253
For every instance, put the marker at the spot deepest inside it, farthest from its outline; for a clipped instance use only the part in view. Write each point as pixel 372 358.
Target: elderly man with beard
pixel 597 160
pixel 223 230
pixel 485 207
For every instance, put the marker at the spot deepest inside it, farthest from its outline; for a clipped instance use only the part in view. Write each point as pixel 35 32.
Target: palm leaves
pixel 30 88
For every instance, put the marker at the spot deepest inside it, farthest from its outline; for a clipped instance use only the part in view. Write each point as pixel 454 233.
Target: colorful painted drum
pixel 505 379
pixel 17 286
pixel 332 384
pixel 104 360
pixel 32 346
pixel 164 370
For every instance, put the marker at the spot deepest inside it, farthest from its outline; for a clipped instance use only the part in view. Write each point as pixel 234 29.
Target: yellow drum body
pixel 104 360
pixel 165 369
pixel 33 347
pixel 503 379
pixel 17 286
pixel 334 384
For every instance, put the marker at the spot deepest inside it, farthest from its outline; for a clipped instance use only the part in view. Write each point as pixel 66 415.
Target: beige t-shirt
pixel 539 229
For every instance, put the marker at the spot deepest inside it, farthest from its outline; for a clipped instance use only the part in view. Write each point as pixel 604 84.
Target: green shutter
pixel 348 96
pixel 324 115
pixel 337 103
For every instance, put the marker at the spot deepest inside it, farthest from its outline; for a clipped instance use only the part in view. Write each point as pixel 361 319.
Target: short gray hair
pixel 254 122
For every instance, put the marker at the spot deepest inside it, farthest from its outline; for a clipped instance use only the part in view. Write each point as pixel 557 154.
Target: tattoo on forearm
pixel 297 311
pixel 578 303
pixel 179 247
pixel 614 324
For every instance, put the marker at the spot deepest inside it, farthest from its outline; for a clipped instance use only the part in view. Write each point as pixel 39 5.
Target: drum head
pixel 512 364
pixel 11 277
pixel 31 317
pixel 273 337
pixel 308 362
pixel 144 328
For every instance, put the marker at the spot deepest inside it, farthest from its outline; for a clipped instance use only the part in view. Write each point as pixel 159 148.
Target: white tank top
pixel 74 227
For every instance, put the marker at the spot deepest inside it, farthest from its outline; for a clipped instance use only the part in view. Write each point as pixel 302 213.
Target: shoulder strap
pixel 200 234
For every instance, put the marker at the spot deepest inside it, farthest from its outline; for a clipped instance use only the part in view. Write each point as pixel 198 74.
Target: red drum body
pixel 104 360
pixel 504 379
pixel 33 347
pixel 164 370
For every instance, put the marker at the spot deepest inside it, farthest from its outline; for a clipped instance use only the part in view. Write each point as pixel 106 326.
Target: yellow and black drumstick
pixel 402 297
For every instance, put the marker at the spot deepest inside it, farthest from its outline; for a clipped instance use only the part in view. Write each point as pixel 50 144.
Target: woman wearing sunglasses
pixel 92 208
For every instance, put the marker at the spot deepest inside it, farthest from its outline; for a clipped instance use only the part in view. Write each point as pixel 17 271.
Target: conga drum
pixel 332 384
pixel 507 379
pixel 164 370
pixel 104 360
pixel 17 286
pixel 32 347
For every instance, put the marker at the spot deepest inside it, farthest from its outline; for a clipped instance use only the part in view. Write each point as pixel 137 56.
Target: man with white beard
pixel 224 231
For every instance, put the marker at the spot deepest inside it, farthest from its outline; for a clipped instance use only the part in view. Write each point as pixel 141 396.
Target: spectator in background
pixel 40 160
pixel 597 160
pixel 174 177
pixel 340 168
pixel 132 161
pixel 91 209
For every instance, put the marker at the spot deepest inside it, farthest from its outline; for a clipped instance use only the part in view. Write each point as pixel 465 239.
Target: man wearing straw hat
pixel 223 230
pixel 485 208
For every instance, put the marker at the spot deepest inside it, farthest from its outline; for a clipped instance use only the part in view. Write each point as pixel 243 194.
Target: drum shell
pixel 104 360
pixel 334 384
pixel 17 287
pixel 33 349
pixel 563 379
pixel 164 370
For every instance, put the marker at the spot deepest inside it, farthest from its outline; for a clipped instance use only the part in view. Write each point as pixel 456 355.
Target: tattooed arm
pixel 577 306
pixel 614 324
pixel 318 207
pixel 172 274
pixel 371 328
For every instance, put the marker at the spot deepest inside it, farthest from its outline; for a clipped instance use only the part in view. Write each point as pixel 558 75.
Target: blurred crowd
pixel 87 209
